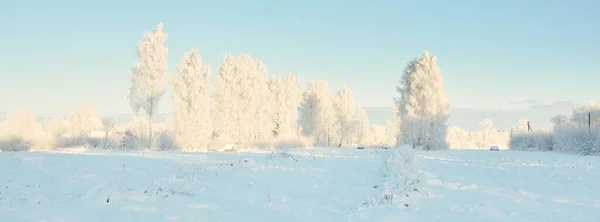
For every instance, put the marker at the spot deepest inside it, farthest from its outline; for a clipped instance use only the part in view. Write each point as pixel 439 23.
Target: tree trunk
pixel 105 139
pixel 150 136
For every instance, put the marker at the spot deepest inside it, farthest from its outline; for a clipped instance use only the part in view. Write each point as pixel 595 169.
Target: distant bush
pixel 531 141
pixel 577 140
pixel 166 142
pixel 79 141
pixel 562 139
pixel 14 144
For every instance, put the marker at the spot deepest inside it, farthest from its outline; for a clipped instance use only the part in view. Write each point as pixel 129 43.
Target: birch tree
pixel 242 100
pixel 84 121
pixel 191 102
pixel 147 75
pixel 422 104
pixel 344 108
pixel 361 119
pixel 287 95
pixel 317 112
pixel 57 127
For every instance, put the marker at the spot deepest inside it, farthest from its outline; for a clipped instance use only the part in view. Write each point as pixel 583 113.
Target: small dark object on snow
pixel 375 186
pixel 406 205
pixel 107 200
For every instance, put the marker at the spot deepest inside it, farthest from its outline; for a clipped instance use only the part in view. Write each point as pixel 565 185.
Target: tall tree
pixel 193 125
pixel 242 100
pixel 57 126
pixel 423 106
pixel 287 95
pixel 581 114
pixel 147 75
pixel 317 112
pixel 361 119
pixel 344 107
pixel 84 121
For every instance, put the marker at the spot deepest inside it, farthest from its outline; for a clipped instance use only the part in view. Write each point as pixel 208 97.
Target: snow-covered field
pixel 322 184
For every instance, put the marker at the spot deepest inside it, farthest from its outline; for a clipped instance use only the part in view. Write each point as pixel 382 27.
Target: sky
pixel 496 57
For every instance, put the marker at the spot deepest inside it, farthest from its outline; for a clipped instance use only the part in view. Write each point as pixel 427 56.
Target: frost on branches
pixel 484 137
pixel 147 74
pixel 362 126
pixel 242 100
pixel 84 121
pixel 578 134
pixel 317 113
pixel 344 110
pixel 287 94
pixel 22 132
pixel 422 105
pixel 193 125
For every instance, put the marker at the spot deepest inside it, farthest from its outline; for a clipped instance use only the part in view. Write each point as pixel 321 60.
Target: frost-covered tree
pixel 486 124
pixel 522 125
pixel 84 121
pixel 581 114
pixel 423 106
pixel 560 119
pixel 317 114
pixel 109 126
pixel 394 126
pixel 361 120
pixel 147 75
pixel 242 100
pixel 22 124
pixel 287 94
pixel 344 110
pixel 379 135
pixel 191 102
pixel 57 126
pixel 458 138
pixel 22 132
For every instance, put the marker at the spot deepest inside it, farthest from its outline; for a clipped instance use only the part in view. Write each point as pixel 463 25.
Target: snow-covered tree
pixel 57 126
pixel 522 125
pixel 84 121
pixel 109 126
pixel 22 124
pixel 458 138
pixel 317 112
pixel 394 126
pixel 191 102
pixel 22 132
pixel 147 75
pixel 344 109
pixel 287 94
pixel 378 135
pixel 581 114
pixel 486 124
pixel 561 120
pixel 361 120
pixel 242 100
pixel 423 105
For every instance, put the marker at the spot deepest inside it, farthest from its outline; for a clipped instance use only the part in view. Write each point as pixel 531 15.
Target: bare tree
pixel 108 126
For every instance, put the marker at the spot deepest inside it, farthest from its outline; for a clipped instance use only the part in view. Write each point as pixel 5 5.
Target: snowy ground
pixel 311 185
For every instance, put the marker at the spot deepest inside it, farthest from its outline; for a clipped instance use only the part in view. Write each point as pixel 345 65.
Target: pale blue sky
pixel 56 55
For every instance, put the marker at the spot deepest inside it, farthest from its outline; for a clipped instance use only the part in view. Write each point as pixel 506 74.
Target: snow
pixel 320 184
